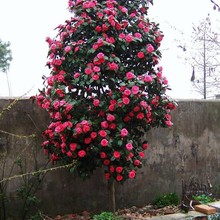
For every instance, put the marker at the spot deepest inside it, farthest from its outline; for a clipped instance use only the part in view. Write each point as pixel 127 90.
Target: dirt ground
pixel 126 214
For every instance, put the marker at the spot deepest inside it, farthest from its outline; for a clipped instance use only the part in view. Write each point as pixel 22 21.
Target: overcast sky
pixel 26 24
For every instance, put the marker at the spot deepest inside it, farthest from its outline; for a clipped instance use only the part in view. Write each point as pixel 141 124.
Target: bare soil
pixel 126 214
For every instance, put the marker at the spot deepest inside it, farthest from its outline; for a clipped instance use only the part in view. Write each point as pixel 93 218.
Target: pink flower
pixel 169 123
pixel 111 169
pixel 112 126
pixel 141 154
pixel 59 128
pixel 126 100
pixel 87 140
pixel 93 135
pixel 140 115
pixel 119 169
pixel 119 177
pixel 81 153
pixel 102 133
pixel 96 69
pixel 107 176
pixel 104 124
pixel 129 146
pixel 78 130
pixel 143 104
pixel 69 154
pixel 104 142
pixel 100 56
pixel 124 132
pixel 96 102
pixel 150 48
pixel 165 81
pixel 122 36
pixel 116 155
pixel 98 28
pixel 106 162
pixel 148 79
pixel 86 128
pixel 76 75
pixel 110 117
pixel 67 49
pixel 73 146
pixel 140 55
pixel 111 108
pixel 135 90
pixel 100 15
pixel 88 71
pixel 129 75
pixel 138 35
pixel 127 92
pixel 123 9
pixel 137 162
pixel 95 77
pixel 103 155
pixel 145 146
pixel 129 38
pixel 113 66
pixel 132 174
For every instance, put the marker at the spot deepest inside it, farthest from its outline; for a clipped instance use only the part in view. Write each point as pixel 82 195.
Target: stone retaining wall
pixel 190 148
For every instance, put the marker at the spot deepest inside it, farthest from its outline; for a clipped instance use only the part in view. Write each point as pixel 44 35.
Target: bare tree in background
pixel 202 53
pixel 216 6
pixel 205 60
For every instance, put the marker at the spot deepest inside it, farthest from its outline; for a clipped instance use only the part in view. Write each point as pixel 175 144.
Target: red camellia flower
pixel 140 55
pixel 103 155
pixel 96 102
pixel 137 162
pixel 129 146
pixel 129 75
pixel 124 132
pixel 150 48
pixel 73 146
pixel 119 169
pixel 117 155
pixel 129 38
pixel 102 133
pixel 119 177
pixel 104 142
pixel 132 174
pixel 81 153
pixel 126 100
pixel 110 117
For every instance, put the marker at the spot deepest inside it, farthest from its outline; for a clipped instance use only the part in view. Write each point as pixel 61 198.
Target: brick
pixel 205 209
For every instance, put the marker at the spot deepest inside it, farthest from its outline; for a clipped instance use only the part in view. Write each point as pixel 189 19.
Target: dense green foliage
pixel 5 56
pixel 166 200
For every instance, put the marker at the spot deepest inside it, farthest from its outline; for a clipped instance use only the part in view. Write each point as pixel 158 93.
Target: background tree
pixel 202 54
pixel 105 89
pixel 5 60
pixel 215 5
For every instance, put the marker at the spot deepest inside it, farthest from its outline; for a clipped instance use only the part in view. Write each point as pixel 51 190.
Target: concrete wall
pixel 189 148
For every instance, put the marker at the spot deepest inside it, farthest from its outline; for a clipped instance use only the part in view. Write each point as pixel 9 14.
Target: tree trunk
pixel 111 190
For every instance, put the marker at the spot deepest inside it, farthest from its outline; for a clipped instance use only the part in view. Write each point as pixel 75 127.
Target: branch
pixel 216 6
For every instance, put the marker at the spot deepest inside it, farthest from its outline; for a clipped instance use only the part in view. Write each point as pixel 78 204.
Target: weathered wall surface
pixel 189 148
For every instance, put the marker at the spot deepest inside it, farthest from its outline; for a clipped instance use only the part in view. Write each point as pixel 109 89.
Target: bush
pixel 106 216
pixel 166 200
pixel 203 198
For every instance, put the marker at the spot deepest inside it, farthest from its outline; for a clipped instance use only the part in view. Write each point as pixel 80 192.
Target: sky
pixel 27 23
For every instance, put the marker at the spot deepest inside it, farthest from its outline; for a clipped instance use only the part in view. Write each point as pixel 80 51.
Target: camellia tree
pixel 105 88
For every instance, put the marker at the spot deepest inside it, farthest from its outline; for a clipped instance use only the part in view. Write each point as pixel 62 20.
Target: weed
pixel 166 200
pixel 106 216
